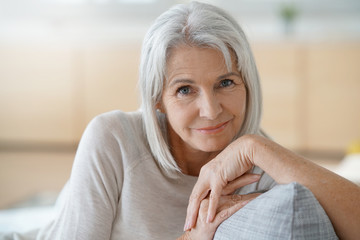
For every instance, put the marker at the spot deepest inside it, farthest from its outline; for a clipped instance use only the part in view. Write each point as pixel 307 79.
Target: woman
pixel 197 135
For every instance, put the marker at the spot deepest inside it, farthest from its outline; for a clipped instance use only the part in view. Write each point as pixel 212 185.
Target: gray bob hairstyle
pixel 201 25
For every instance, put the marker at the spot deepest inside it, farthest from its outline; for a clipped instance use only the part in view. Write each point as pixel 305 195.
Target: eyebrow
pixel 228 75
pixel 189 81
pixel 181 80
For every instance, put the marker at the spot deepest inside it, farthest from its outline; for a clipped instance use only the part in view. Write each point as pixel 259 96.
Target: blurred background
pixel 62 62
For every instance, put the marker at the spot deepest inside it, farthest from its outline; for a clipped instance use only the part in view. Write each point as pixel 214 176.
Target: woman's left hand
pixel 217 176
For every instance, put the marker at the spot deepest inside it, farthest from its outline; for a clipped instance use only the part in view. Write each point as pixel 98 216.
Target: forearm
pixel 338 196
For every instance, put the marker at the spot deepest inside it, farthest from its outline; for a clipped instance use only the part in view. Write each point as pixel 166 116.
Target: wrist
pixel 248 145
pixel 185 236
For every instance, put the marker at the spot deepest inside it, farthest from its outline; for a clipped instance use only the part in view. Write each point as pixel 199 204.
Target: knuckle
pixel 213 196
pixel 210 167
pixel 202 217
pixel 224 214
pixel 194 197
pixel 234 198
pixel 204 203
pixel 237 198
pixel 203 170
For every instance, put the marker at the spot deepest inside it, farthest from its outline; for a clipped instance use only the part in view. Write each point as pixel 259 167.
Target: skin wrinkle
pixel 206 105
pixel 247 178
pixel 236 198
pixel 224 214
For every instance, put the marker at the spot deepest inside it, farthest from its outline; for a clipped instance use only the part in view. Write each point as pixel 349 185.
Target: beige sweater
pixel 118 191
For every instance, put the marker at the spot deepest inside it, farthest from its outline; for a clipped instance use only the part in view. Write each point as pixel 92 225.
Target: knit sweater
pixel 117 190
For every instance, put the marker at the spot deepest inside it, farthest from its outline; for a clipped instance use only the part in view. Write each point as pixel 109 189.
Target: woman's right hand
pixel 228 205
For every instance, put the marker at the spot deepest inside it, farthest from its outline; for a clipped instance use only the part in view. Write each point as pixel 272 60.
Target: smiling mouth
pixel 213 129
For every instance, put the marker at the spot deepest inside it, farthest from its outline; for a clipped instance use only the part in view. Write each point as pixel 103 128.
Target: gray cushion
pixel 285 212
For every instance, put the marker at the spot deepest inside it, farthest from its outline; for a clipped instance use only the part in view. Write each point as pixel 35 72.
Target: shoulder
pixel 116 125
pixel 116 133
pixel 117 119
pixel 111 145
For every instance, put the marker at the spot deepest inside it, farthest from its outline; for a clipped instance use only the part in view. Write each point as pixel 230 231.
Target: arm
pixel 338 196
pixel 91 194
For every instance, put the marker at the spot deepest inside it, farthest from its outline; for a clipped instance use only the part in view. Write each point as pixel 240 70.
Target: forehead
pixel 189 58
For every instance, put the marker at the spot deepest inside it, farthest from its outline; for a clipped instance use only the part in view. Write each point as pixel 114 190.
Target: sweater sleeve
pixel 93 191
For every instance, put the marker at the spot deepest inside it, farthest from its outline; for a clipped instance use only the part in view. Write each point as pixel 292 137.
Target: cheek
pixel 243 107
pixel 237 105
pixel 239 111
pixel 179 115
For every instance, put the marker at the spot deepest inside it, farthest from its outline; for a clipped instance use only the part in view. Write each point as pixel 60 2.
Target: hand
pixel 220 174
pixel 228 205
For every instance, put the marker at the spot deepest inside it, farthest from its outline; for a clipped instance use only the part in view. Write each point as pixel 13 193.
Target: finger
pixel 193 207
pixel 251 196
pixel 214 200
pixel 204 205
pixel 231 200
pixel 241 200
pixel 240 182
pixel 227 212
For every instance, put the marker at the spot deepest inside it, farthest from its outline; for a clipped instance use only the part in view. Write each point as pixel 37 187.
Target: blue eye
pixel 184 90
pixel 226 83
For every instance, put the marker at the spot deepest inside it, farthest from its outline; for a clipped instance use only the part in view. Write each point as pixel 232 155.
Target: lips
pixel 213 129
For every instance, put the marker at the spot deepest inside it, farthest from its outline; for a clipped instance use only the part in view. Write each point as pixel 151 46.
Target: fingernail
pixel 187 226
pixel 245 202
pixel 256 176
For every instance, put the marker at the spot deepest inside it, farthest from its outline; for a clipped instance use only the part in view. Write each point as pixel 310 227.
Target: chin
pixel 213 147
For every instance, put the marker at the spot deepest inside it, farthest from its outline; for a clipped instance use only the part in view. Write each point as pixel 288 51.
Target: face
pixel 204 102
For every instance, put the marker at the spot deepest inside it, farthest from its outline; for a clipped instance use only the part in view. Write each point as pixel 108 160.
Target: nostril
pixel 210 108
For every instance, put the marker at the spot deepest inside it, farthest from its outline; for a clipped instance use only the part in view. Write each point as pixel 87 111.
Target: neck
pixel 189 160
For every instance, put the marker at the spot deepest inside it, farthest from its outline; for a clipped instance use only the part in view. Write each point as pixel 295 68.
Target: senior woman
pixel 197 135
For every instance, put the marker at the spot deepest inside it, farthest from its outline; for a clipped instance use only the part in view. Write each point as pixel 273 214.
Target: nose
pixel 209 106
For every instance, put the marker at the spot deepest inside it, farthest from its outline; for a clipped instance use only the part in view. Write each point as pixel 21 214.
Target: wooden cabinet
pixel 36 94
pixel 278 66
pixel 333 96
pixel 49 94
pixel 110 76
pixel 311 94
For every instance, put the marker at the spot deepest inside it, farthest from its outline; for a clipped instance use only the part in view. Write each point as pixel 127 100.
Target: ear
pixel 159 107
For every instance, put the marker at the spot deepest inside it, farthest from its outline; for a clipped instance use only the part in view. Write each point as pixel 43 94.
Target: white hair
pixel 201 25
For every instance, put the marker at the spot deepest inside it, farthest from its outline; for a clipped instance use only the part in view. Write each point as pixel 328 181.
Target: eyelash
pixel 226 80
pixel 178 91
